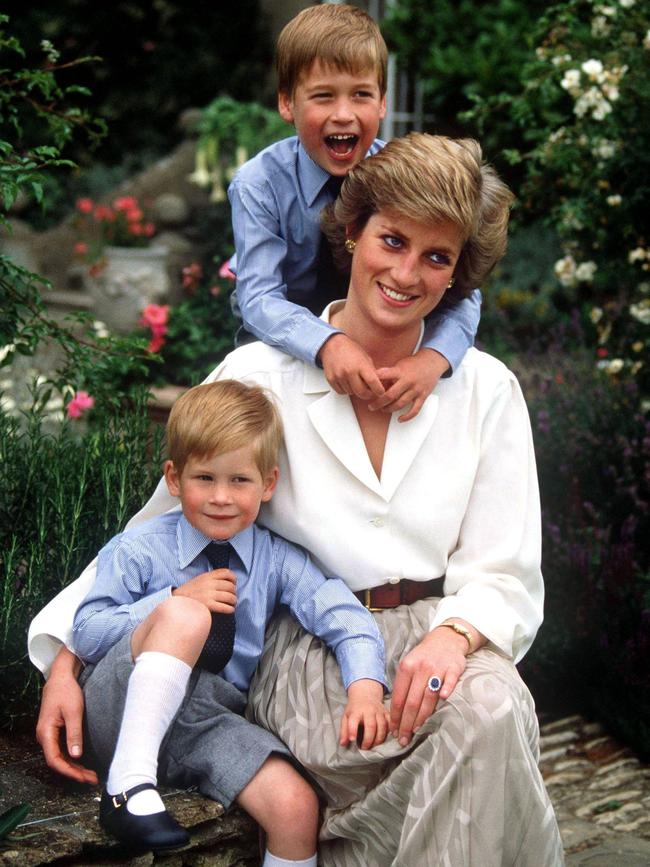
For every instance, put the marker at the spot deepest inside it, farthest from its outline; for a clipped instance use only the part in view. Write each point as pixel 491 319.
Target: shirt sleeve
pixel 328 609
pixel 452 327
pixel 261 290
pixel 493 578
pixel 117 602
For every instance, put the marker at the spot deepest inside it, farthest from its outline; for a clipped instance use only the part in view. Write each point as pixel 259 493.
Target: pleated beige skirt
pixel 466 792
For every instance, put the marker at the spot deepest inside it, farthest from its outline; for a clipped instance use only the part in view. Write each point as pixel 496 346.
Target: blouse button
pixel 393 579
pixel 378 522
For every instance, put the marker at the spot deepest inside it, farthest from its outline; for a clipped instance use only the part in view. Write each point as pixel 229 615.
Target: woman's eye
pixel 392 241
pixel 439 258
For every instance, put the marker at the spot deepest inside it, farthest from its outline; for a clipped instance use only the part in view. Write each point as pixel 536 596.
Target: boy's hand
pixel 216 589
pixel 413 379
pixel 349 368
pixel 364 713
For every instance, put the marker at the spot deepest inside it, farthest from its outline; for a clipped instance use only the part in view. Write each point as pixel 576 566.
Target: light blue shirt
pixel 137 570
pixel 276 201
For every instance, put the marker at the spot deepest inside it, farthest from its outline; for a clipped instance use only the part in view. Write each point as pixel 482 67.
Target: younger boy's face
pixel 221 495
pixel 336 115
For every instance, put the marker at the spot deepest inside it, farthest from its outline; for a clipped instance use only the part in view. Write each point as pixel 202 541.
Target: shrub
pixel 593 453
pixel 64 494
pixel 582 110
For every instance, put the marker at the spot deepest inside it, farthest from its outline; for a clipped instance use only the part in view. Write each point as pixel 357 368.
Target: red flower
pixel 80 248
pixel 125 203
pixel 192 275
pixel 156 343
pixel 155 316
pixel 85 206
pixel 104 213
pixel 601 352
pixel 81 402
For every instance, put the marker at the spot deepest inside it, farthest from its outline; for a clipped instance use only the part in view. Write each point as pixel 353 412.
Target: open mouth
pixel 394 295
pixel 342 145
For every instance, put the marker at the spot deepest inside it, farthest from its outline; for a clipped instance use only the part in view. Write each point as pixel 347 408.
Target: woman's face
pixel 401 268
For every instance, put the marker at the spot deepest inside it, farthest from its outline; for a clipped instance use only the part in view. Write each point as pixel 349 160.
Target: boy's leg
pixel 165 647
pixel 286 806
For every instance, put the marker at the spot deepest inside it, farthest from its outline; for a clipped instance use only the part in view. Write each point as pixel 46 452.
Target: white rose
pixel 571 80
pixel 596 315
pixel 636 255
pixel 627 4
pixel 641 311
pixel 565 271
pixel 614 200
pixel 585 272
pixel 615 365
pixel 593 69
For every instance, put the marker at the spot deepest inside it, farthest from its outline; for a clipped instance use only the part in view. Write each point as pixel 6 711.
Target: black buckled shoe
pixel 158 831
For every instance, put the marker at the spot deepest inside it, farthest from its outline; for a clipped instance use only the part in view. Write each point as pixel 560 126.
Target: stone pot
pixel 131 278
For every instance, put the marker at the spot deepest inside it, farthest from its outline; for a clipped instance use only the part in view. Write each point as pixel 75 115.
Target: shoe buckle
pixel 119 800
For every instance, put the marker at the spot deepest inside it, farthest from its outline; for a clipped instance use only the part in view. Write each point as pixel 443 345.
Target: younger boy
pixel 331 62
pixel 160 593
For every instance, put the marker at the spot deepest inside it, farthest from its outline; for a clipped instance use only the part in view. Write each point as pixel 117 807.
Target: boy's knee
pixel 183 614
pixel 296 800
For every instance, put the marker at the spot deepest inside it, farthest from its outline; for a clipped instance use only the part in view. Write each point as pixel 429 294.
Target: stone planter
pixel 131 278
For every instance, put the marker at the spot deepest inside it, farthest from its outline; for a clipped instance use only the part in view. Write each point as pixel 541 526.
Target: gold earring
pixel 350 245
pixel 451 283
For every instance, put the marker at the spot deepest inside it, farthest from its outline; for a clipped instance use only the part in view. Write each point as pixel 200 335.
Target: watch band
pixel 461 630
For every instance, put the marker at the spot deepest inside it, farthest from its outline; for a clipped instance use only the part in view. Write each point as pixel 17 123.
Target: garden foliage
pixel 65 490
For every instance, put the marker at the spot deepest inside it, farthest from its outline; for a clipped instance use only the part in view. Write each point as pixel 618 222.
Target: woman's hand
pixel 62 708
pixel 412 381
pixel 441 653
pixel 349 369
pixel 364 713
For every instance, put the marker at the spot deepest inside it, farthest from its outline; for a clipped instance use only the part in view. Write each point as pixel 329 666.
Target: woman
pixel 390 507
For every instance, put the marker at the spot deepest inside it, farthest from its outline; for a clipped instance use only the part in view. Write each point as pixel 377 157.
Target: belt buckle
pixel 366 601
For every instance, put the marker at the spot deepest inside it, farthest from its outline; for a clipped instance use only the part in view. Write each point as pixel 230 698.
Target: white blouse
pixel 457 497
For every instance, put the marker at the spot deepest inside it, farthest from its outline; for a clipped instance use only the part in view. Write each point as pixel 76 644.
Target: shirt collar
pixel 311 176
pixel 191 542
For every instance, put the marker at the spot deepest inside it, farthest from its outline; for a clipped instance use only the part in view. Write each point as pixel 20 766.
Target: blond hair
pixel 338 35
pixel 224 416
pixel 429 178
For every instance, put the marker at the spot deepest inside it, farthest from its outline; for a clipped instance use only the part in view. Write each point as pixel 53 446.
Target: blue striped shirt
pixel 276 200
pixel 138 569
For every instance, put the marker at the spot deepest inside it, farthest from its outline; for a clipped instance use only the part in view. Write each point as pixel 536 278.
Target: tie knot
pixel 218 554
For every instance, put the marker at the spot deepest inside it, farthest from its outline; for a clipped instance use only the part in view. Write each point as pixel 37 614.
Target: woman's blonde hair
pixel 429 178
pixel 338 35
pixel 224 416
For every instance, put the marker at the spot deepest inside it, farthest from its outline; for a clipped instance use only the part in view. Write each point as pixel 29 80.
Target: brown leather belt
pixel 402 593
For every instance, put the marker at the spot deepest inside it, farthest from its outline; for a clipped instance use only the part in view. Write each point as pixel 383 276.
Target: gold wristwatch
pixel 461 630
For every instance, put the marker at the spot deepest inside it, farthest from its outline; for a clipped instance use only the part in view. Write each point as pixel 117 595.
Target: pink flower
pixel 225 271
pixel 215 290
pixel 80 248
pixel 192 275
pixel 81 402
pixel 85 206
pixel 155 316
pixel 156 343
pixel 148 229
pixel 125 203
pixel 103 212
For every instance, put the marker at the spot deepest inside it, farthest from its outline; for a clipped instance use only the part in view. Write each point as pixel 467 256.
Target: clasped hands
pixel 350 370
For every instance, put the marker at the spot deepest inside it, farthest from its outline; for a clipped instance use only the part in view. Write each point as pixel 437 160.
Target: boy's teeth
pixel 342 143
pixel 397 296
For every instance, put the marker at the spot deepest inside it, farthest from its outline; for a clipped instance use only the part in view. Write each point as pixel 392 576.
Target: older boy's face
pixel 221 495
pixel 336 115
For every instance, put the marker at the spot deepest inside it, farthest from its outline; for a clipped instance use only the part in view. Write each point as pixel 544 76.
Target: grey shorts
pixel 209 745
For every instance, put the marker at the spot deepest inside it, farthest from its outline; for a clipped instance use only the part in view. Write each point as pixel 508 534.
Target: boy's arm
pixel 116 603
pixel 452 326
pixel 261 290
pixel 327 608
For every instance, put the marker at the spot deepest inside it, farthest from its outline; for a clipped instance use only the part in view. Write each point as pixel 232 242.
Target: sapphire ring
pixel 434 683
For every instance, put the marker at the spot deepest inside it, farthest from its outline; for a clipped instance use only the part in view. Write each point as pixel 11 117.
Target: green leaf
pixel 13 817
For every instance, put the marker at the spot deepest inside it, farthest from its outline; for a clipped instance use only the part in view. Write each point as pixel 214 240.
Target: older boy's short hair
pixel 431 179
pixel 224 416
pixel 337 35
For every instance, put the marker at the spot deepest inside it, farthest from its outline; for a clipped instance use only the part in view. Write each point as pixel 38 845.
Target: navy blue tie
pixel 219 644
pixel 331 282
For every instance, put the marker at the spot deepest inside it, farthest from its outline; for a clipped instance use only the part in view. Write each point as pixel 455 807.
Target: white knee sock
pixel 274 861
pixel 156 690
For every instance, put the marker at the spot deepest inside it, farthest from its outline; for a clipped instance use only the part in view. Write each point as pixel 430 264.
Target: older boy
pixel 331 62
pixel 158 585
